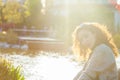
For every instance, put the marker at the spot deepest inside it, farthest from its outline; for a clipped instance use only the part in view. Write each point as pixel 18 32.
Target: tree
pixel 12 13
pixel 34 7
pixel 1 9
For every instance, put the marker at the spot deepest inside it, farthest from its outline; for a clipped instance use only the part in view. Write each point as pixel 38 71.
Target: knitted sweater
pixel 100 66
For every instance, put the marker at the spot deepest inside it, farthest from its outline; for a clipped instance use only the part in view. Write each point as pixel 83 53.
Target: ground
pixel 47 66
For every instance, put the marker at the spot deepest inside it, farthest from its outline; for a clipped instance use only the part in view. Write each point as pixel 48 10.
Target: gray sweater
pixel 100 66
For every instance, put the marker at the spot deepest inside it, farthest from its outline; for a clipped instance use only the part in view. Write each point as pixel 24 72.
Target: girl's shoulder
pixel 103 53
pixel 103 47
pixel 103 50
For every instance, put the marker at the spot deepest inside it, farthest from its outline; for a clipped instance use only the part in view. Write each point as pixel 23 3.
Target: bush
pixel 9 37
pixel 9 72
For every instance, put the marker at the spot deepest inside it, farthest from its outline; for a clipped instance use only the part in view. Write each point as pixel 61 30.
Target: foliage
pixel 0 2
pixel 34 7
pixel 116 38
pixel 9 72
pixel 9 36
pixel 11 12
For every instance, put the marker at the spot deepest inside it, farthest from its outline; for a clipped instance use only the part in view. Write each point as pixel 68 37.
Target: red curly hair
pixel 101 31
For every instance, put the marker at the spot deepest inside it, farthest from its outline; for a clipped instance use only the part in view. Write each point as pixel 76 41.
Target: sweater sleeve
pixel 102 58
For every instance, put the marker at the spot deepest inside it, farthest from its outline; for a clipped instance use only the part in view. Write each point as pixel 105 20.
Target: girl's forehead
pixel 83 31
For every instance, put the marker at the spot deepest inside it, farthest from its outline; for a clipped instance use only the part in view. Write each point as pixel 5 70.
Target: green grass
pixel 9 72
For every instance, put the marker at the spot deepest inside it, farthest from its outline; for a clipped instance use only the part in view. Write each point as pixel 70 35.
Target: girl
pixel 95 45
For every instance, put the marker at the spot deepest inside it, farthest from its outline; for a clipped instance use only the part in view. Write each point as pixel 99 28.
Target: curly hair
pixel 104 36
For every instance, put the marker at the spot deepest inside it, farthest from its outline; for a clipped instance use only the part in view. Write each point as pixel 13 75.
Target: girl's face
pixel 87 38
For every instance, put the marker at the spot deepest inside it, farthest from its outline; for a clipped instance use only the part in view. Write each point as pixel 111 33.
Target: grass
pixel 9 72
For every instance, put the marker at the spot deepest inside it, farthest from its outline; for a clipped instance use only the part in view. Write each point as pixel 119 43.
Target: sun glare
pixel 43 3
pixel 118 2
pixel 4 32
pixel 52 67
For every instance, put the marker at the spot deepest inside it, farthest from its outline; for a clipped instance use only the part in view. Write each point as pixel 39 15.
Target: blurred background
pixel 53 20
pixel 37 35
pixel 41 22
